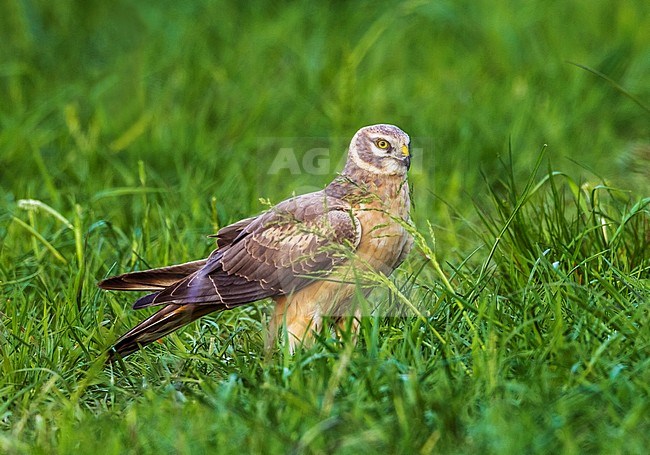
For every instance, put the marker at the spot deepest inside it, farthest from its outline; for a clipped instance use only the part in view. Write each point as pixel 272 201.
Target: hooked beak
pixel 406 153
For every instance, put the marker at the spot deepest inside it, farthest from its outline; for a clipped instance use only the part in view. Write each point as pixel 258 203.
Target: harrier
pixel 303 253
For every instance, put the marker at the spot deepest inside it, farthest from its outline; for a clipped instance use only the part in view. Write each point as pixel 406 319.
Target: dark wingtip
pixel 121 350
pixel 113 355
pixel 143 302
pixel 105 284
pixel 151 280
pixel 118 283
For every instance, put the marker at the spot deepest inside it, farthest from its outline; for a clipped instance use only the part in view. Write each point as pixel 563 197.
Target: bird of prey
pixel 303 253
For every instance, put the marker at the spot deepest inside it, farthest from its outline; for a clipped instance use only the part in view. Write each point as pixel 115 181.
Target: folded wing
pixel 277 253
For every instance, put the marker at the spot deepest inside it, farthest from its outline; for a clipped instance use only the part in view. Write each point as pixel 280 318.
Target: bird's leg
pixel 299 324
pixel 347 327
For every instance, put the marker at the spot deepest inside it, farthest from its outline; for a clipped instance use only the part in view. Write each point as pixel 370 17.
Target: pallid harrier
pixel 303 253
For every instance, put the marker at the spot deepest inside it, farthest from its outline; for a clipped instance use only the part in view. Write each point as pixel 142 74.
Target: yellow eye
pixel 382 144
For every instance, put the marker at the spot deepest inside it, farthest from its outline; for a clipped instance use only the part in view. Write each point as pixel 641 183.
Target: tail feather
pixel 161 323
pixel 151 280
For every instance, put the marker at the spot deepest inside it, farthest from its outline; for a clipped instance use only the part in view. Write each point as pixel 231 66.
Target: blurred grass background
pixel 146 125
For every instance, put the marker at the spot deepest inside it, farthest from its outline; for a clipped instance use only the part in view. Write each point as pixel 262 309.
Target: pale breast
pixel 384 244
pixel 384 238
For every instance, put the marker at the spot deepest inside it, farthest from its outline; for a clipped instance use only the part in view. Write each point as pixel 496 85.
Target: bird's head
pixel 381 149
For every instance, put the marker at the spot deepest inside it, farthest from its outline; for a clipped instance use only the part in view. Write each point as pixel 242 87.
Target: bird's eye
pixel 382 144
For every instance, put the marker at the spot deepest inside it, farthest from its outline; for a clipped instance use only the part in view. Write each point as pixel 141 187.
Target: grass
pixel 128 132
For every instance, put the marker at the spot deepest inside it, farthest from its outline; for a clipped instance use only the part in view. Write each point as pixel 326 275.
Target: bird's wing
pixel 228 234
pixel 163 277
pixel 279 252
pixel 156 326
pixel 151 280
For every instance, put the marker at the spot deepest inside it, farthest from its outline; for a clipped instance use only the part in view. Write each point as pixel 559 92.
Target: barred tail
pixel 161 323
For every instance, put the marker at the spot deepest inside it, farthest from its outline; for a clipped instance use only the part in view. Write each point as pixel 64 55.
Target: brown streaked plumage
pixel 303 253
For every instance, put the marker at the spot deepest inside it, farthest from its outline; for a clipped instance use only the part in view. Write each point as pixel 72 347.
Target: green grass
pixel 136 128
